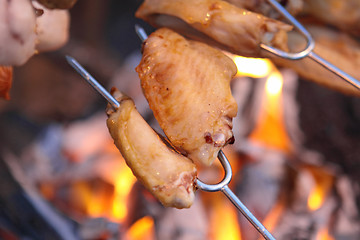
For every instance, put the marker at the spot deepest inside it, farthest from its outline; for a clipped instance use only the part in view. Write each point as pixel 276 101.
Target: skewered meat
pixel 168 175
pixel 342 14
pixel 217 23
pixel 337 48
pixel 5 81
pixel 187 85
pixel 17 32
pixel 59 4
pixel 263 7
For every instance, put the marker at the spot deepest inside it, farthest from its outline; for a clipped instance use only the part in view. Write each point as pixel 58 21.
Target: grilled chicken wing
pixel 217 23
pixel 168 175
pixel 187 85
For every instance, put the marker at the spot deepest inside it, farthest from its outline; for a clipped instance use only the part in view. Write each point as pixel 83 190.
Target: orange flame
pixel 270 129
pixel 142 229
pixel 323 184
pixel 223 219
pixel 123 183
pixel 324 235
pixel 252 67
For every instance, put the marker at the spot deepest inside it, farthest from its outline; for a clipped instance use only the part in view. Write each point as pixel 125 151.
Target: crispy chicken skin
pixel 187 85
pixel 5 81
pixel 218 23
pixel 168 175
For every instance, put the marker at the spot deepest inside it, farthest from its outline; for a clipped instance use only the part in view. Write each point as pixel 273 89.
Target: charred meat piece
pixel 217 23
pixel 168 175
pixel 187 85
pixel 5 81
pixel 59 4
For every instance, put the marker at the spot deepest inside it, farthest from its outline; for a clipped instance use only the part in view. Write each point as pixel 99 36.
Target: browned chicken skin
pixel 218 23
pixel 168 175
pixel 187 85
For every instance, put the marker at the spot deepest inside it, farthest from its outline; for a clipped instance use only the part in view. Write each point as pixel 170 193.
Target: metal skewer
pixel 222 186
pixel 308 51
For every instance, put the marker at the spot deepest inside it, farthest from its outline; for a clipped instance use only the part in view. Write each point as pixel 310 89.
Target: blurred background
pixel 296 155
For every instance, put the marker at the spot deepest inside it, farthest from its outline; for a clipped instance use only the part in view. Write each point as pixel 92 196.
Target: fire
pixel 253 67
pixel 123 183
pixel 270 129
pixel 324 235
pixel 224 223
pixel 274 84
pixel 323 185
pixel 142 229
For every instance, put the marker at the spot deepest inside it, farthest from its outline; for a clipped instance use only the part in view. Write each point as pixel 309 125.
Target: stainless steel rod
pixel 334 69
pixel 92 81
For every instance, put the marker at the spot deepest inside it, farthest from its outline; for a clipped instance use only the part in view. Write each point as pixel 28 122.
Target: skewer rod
pixel 334 69
pixel 92 81
pixel 246 212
